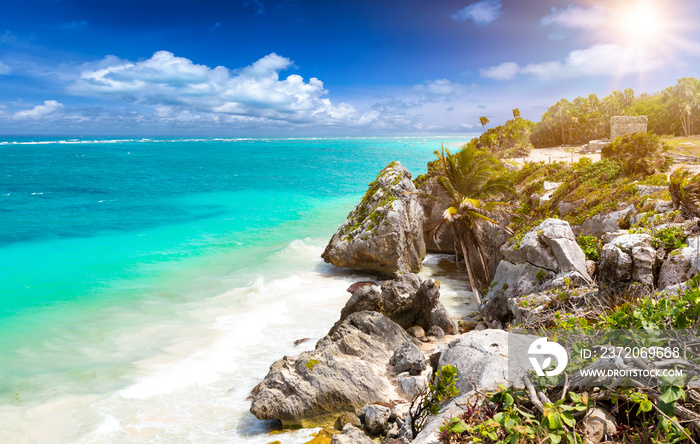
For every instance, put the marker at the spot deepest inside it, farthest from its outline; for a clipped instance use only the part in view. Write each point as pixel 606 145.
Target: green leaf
pixel 556 439
pixel 508 401
pixel 553 420
pixel 575 397
pixel 457 426
pixel 645 406
pixel 671 394
pixel 568 419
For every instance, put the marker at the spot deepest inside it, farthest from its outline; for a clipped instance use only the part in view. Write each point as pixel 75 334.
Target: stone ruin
pixel 621 125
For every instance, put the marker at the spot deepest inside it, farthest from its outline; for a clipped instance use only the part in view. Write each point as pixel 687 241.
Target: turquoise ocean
pixel 146 285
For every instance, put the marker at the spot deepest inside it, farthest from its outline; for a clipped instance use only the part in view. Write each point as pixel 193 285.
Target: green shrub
pixel 639 154
pixel 589 245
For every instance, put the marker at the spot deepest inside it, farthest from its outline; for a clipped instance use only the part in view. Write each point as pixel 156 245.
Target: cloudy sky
pixel 304 68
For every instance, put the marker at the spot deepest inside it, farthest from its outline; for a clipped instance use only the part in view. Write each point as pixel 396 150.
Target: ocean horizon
pixel 148 284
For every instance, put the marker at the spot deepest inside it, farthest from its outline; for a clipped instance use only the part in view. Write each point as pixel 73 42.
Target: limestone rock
pixel 377 418
pixel 546 256
pixel 482 357
pixel 411 385
pixel 603 223
pixel 351 435
pixel 347 370
pixel 628 258
pixel 433 209
pixel 407 300
pixel 408 358
pixel 384 233
pixel 680 265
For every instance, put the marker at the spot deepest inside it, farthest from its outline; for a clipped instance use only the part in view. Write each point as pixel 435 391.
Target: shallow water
pixel 146 286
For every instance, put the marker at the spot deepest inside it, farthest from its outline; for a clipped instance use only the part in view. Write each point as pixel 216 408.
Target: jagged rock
pixel 546 256
pixel 411 385
pixel 384 233
pixel 603 223
pixel 408 358
pixel 433 209
pixel 351 435
pixel 347 370
pixel 628 258
pixel 406 300
pixel 483 358
pixel 680 265
pixel 663 206
pixel 377 418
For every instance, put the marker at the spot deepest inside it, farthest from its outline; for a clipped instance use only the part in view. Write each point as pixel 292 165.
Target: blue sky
pixel 326 68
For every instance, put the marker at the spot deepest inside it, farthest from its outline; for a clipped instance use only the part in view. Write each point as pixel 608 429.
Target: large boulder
pixel 346 371
pixel 487 358
pixel 547 256
pixel 680 265
pixel 384 233
pixel 434 201
pixel 406 300
pixel 628 258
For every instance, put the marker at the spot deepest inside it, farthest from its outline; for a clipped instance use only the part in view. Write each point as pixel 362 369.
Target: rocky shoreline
pixel 363 379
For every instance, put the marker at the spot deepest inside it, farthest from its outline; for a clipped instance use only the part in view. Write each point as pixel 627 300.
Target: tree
pixel 516 113
pixel 469 177
pixel 484 121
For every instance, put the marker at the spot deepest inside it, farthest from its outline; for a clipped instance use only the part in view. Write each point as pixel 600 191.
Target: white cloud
pixel 50 108
pixel 4 69
pixel 577 17
pixel 253 91
pixel 504 71
pixel 440 87
pixel 604 59
pixel 482 13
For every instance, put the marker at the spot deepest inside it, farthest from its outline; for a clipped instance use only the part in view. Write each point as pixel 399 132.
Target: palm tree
pixel 469 176
pixel 684 188
pixel 484 121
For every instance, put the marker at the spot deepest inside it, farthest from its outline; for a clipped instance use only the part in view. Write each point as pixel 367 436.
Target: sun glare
pixel 640 22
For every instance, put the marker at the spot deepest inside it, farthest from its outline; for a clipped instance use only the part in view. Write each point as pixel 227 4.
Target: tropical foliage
pixel 639 154
pixel 511 139
pixel 469 177
pixel 684 188
pixel 673 111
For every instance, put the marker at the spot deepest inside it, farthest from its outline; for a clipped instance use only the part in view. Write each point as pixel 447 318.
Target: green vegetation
pixel 640 154
pixel 673 111
pixel 589 245
pixel 685 192
pixel 427 402
pixel 509 140
pixel 469 177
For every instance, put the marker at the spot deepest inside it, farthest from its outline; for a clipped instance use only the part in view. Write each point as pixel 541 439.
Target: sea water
pixel 146 285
